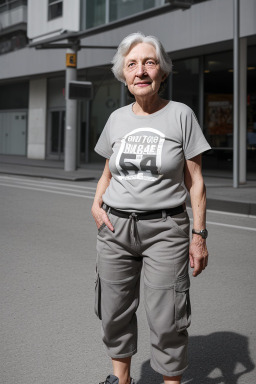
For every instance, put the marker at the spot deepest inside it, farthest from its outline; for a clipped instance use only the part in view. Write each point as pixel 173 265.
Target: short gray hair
pixel 133 39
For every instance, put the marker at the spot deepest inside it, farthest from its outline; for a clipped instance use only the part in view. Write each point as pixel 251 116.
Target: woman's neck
pixel 148 106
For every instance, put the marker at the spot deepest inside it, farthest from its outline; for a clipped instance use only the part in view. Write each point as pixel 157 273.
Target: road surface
pixel 49 333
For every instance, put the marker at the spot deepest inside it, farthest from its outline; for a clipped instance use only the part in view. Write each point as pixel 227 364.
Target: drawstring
pixel 134 230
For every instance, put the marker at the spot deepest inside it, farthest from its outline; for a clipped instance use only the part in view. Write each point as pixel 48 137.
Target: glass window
pixel 13 41
pixel 218 109
pixel 251 89
pixel 106 100
pixel 14 96
pixel 57 132
pixel 218 89
pixel 124 8
pixel 185 82
pixel 95 13
pixel 55 9
pixel 251 109
pixel 98 12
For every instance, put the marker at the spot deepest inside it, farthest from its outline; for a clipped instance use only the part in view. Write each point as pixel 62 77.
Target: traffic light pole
pixel 70 163
pixel 236 96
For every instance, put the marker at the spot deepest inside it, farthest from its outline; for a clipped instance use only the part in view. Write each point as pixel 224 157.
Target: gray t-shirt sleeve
pixel 194 141
pixel 103 146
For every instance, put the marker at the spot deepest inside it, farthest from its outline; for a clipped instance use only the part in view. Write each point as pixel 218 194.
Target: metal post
pixel 107 11
pixel 78 140
pixel 87 148
pixel 201 92
pixel 236 96
pixel 70 162
pixel 243 110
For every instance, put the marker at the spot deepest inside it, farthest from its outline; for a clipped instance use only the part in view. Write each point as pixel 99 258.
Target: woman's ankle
pixel 121 369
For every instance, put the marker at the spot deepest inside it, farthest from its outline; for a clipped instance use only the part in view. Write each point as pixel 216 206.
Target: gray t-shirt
pixel 147 156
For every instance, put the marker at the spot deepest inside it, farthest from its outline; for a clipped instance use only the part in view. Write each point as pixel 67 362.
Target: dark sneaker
pixel 112 379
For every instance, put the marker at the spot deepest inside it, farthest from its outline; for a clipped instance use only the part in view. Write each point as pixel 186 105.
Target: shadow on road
pixel 219 358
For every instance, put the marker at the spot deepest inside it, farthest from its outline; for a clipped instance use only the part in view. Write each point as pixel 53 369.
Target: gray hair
pixel 131 40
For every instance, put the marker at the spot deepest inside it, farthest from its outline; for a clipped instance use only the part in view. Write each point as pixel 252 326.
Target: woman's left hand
pixel 198 254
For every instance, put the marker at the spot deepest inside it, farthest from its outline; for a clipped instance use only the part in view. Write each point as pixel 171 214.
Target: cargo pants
pixel 161 247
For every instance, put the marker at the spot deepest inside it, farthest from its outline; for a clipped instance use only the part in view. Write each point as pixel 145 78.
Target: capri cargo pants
pixel 161 247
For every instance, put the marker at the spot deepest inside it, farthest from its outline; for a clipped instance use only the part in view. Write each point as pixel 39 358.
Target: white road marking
pixel 44 182
pixel 45 190
pixel 231 226
pixel 69 188
pixel 42 186
pixel 231 213
pixel 227 213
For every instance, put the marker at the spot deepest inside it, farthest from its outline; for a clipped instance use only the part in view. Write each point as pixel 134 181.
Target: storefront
pixel 213 74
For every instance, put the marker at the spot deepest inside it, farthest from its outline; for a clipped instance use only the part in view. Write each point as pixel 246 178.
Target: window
pixel 55 9
pixel 12 42
pixel 14 96
pixel 185 82
pixel 99 12
pixel 120 9
pixel 218 92
pixel 95 13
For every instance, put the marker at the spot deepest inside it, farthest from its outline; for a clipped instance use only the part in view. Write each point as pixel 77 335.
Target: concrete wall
pixel 39 25
pixel 37 119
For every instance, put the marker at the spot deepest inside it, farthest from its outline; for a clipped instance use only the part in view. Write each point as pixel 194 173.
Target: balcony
pixel 13 25
pixel 13 16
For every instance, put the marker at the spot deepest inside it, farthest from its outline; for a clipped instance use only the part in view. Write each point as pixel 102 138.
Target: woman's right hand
pixel 100 216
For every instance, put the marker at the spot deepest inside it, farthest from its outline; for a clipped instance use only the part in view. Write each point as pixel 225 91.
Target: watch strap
pixel 203 233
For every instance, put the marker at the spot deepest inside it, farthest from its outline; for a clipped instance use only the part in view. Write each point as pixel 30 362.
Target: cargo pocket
pixel 182 304
pixel 97 304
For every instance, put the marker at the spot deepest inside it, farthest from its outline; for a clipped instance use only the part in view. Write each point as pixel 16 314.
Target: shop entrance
pixel 56 137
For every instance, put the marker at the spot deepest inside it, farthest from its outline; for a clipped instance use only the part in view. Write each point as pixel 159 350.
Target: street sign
pixel 71 60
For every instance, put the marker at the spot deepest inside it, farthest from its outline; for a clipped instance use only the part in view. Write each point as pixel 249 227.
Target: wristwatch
pixel 203 233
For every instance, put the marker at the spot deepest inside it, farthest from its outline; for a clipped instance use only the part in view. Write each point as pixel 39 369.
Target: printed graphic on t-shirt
pixel 140 153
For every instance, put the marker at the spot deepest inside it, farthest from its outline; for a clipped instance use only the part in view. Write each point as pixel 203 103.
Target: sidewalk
pixel 221 195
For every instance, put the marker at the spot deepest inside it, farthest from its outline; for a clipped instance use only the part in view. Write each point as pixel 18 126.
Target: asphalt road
pixel 49 333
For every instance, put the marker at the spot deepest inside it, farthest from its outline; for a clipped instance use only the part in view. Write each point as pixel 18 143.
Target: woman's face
pixel 142 71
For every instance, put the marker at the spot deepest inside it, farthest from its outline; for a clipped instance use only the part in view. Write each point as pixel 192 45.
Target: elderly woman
pixel 152 149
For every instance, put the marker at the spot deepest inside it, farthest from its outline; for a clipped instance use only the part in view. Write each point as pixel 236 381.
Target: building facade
pixel 198 35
